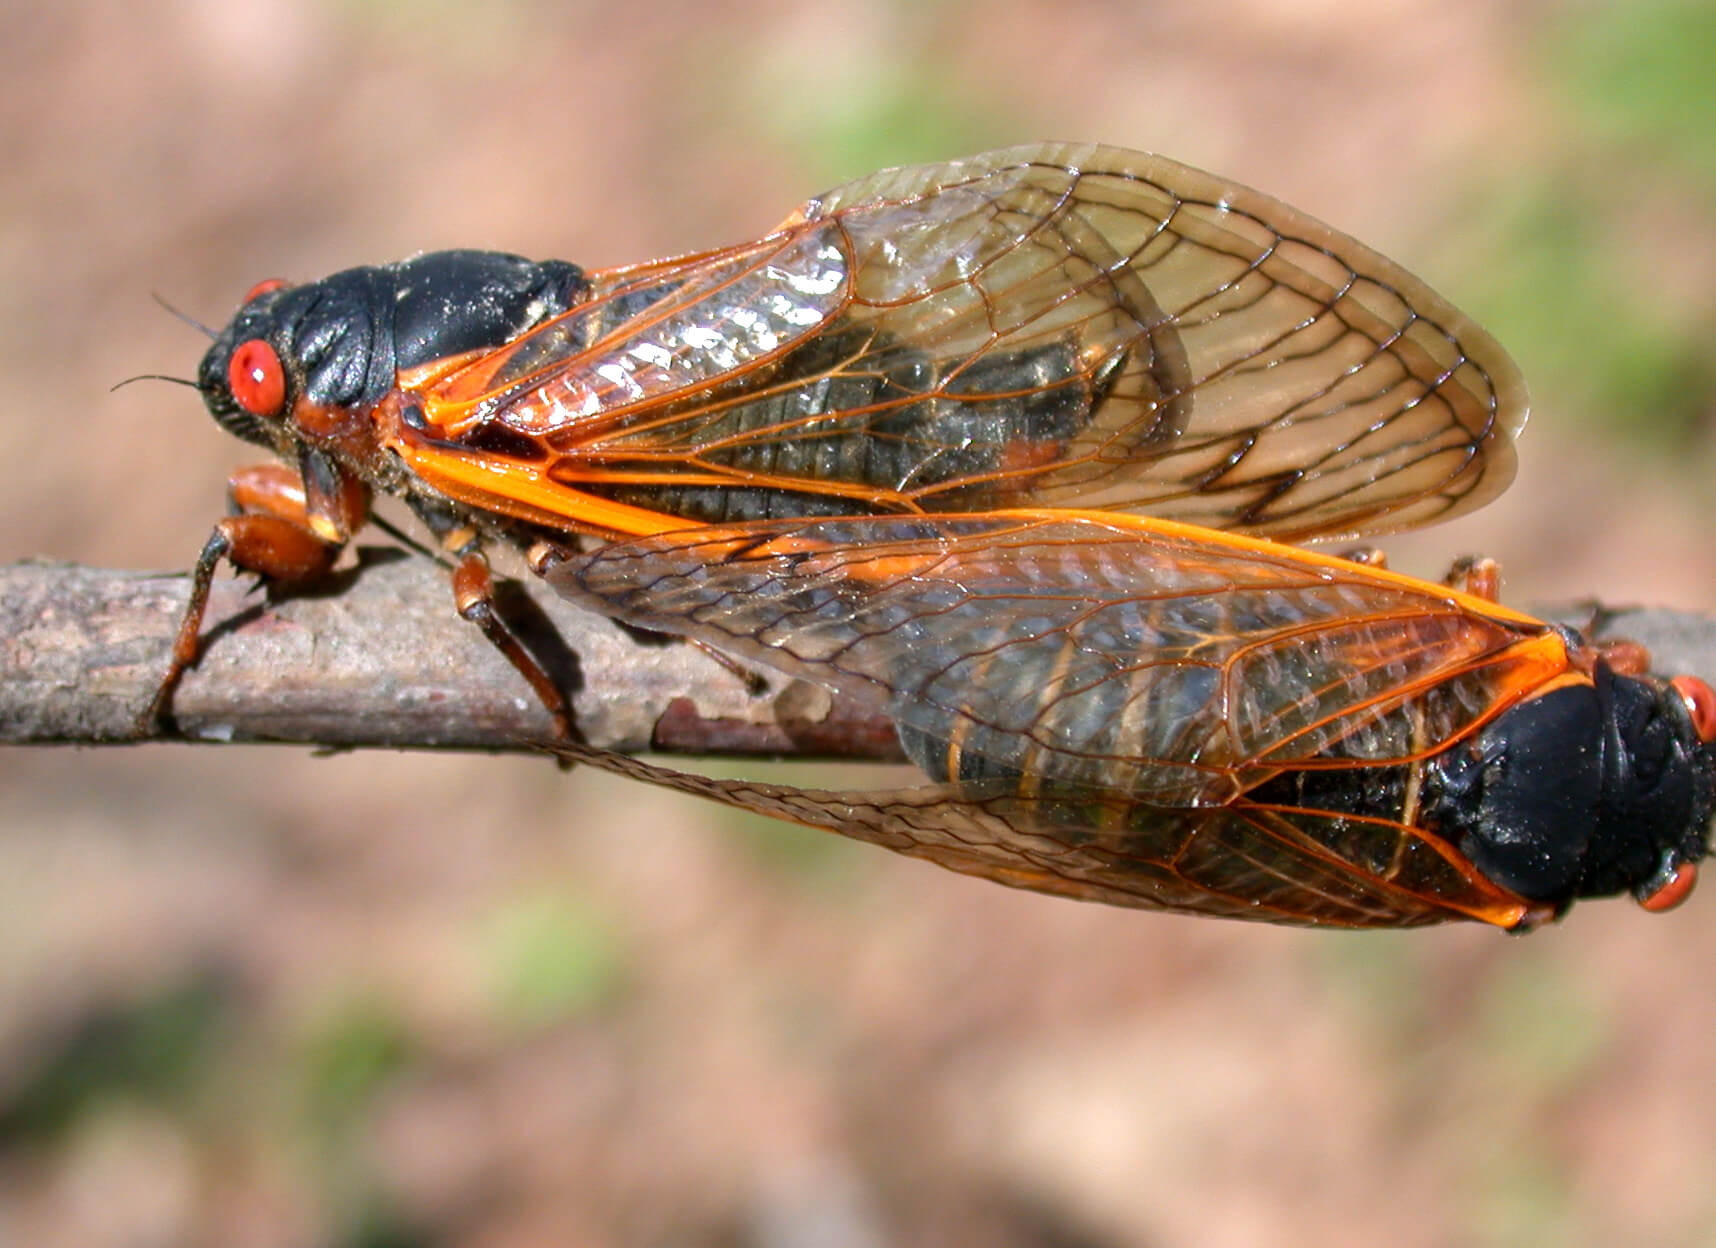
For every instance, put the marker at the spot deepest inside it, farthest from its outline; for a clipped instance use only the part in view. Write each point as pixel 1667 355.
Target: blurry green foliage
pixel 870 87
pixel 154 1049
pixel 377 1224
pixel 1556 294
pixel 901 115
pixel 1522 1199
pixel 1543 1032
pixel 1588 247
pixel 822 860
pixel 453 33
pixel 825 862
pixel 178 1048
pixel 344 1057
pixel 1376 977
pixel 1535 1037
pixel 1530 1023
pixel 552 955
pixel 1485 1060
pixel 1641 75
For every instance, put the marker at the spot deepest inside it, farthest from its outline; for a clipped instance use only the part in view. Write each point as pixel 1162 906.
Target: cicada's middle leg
pixel 473 596
pixel 474 599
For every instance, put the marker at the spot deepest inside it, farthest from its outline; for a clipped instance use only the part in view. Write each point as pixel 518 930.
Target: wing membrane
pixel 1179 667
pixel 1049 325
pixel 1239 862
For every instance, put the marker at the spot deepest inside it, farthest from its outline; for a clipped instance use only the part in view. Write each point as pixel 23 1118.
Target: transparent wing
pixel 1050 325
pixel 1297 867
pixel 1178 666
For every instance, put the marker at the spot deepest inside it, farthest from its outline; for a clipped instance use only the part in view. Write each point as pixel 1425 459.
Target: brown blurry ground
pixel 250 997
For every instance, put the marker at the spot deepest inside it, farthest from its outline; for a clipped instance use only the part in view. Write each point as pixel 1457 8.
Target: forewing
pixel 1175 666
pixel 1279 377
pixel 1049 325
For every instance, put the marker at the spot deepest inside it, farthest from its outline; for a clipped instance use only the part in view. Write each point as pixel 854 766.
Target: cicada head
pixel 1660 782
pixel 303 363
pixel 1594 787
pixel 243 375
pixel 303 359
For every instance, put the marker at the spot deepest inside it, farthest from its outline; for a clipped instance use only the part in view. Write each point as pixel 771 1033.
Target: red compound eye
pixel 256 378
pixel 1700 702
pixel 1672 889
pixel 264 288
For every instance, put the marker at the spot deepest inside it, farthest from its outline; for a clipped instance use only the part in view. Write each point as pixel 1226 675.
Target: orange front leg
pixel 279 531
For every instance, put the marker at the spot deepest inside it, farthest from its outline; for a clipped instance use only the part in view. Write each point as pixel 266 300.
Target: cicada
pixel 1015 449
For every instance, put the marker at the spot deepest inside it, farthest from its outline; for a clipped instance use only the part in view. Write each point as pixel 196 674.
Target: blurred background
pixel 255 998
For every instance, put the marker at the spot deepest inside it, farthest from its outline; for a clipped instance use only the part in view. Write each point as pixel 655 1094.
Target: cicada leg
pixel 1481 577
pixel 1476 575
pixel 1624 657
pixel 756 684
pixel 279 531
pixel 474 597
pixel 542 556
pixel 1366 556
pixel 289 527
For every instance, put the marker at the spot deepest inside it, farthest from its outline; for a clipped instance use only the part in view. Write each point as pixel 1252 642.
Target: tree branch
pixel 379 658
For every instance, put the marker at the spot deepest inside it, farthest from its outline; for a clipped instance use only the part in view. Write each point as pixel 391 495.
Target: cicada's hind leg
pixel 1477 575
pixel 756 684
pixel 1481 577
pixel 277 529
pixel 544 555
pixel 474 599
pixel 1367 556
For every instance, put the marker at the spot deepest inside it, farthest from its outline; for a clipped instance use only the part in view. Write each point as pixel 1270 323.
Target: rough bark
pixel 379 658
pixel 376 658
